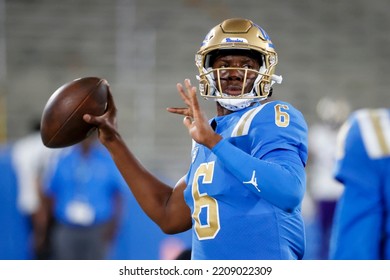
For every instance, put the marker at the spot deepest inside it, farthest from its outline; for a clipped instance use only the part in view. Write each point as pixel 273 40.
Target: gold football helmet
pixel 241 35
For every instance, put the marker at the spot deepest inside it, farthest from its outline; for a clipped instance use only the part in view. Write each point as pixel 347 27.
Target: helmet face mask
pixel 237 37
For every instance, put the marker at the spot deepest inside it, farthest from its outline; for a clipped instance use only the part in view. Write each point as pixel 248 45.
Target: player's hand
pixel 106 123
pixel 194 118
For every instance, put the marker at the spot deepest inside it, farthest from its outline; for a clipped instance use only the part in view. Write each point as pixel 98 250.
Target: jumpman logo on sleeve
pixel 253 181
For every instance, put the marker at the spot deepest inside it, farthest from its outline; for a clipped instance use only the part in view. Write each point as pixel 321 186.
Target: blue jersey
pixel 362 221
pixel 79 181
pixel 245 194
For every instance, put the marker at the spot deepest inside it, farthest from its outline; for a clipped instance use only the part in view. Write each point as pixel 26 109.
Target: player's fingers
pixel 193 98
pixel 101 122
pixel 110 101
pixel 187 121
pixel 187 83
pixel 91 119
pixel 180 111
pixel 110 110
pixel 183 94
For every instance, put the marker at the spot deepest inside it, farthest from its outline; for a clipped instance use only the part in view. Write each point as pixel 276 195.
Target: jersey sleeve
pixel 357 224
pixel 280 126
pixel 273 168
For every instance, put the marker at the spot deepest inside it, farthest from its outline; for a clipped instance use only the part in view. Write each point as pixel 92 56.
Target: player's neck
pixel 221 111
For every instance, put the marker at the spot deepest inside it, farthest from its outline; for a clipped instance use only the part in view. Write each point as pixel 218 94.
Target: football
pixel 62 121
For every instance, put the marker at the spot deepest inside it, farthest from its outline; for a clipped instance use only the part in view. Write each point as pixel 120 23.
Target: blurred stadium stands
pixel 144 47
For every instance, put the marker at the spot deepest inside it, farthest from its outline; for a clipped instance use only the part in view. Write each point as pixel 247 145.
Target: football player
pixel 361 229
pixel 244 187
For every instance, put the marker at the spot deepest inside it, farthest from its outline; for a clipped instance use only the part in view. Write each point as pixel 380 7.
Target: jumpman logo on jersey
pixel 253 181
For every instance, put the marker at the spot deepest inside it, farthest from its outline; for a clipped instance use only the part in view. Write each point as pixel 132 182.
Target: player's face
pixel 238 77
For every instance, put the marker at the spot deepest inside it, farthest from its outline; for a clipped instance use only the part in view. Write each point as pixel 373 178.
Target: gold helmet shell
pixel 238 34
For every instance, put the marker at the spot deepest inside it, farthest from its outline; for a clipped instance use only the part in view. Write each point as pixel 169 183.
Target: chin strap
pixel 235 104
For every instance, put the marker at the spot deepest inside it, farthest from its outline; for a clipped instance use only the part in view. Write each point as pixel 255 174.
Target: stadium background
pixel 335 48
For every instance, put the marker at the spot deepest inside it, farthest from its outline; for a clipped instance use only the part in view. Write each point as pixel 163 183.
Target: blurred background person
pixel 83 192
pixel 30 159
pixel 23 162
pixel 362 221
pixel 323 189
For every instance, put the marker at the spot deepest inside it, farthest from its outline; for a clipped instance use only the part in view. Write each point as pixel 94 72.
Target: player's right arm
pixel 162 203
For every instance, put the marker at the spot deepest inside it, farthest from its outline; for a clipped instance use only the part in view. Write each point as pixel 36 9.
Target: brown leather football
pixel 62 121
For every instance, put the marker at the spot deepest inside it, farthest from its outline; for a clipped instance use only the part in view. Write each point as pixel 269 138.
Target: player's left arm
pixel 275 169
pixel 279 177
